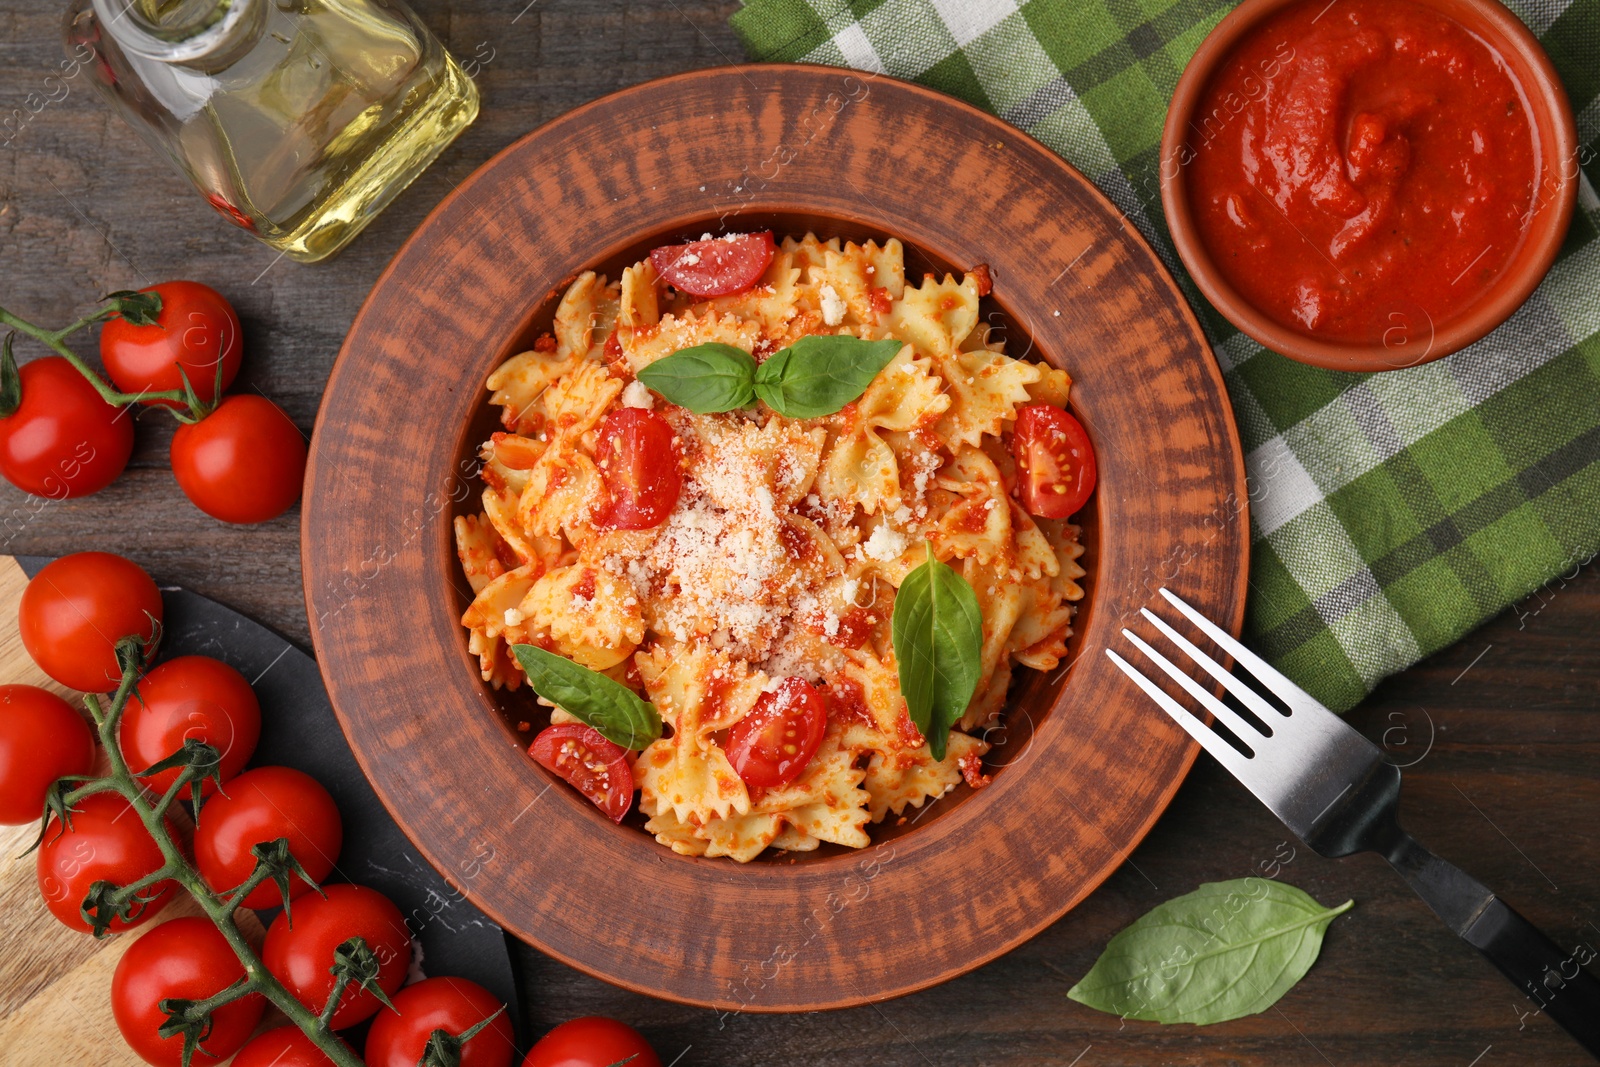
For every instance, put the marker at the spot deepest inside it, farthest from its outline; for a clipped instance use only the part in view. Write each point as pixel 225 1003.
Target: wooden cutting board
pixel 55 983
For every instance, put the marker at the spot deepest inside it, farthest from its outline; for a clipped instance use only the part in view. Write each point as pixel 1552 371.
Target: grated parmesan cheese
pixel 832 306
pixel 513 617
pixel 637 395
pixel 885 544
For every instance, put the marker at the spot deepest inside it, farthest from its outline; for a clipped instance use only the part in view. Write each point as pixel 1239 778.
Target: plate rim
pixel 344 364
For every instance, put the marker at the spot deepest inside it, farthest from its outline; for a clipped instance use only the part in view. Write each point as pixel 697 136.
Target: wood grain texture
pixel 787 149
pixel 1519 731
pixel 54 982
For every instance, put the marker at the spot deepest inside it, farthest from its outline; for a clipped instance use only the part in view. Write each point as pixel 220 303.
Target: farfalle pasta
pixel 782 553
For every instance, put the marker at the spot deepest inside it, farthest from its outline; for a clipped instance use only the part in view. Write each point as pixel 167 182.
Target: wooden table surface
pixel 1503 729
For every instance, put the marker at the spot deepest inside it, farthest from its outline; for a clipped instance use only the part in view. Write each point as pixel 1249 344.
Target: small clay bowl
pixel 1414 342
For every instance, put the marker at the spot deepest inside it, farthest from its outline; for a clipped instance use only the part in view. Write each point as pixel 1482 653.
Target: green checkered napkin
pixel 1391 513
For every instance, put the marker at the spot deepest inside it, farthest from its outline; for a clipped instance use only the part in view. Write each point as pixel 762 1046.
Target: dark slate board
pixel 298 729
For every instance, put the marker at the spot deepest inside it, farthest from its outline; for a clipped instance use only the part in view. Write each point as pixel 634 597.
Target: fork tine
pixel 1242 729
pixel 1220 750
pixel 1298 699
pixel 1269 715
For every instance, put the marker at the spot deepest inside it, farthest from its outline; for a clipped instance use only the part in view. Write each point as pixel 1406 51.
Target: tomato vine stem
pixel 55 340
pixel 178 868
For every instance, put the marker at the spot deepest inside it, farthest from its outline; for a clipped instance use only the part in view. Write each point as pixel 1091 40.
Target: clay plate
pixel 1084 766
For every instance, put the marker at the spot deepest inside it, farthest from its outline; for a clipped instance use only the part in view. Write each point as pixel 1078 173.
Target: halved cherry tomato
pixel 242 463
pixel 1055 461
pixel 592 1041
pixel 598 768
pixel 639 463
pixel 41 739
pixel 183 959
pixel 716 267
pixel 63 440
pixel 772 745
pixel 107 842
pixel 75 610
pixel 299 955
pixel 263 805
pixel 190 696
pixel 398 1038
pixel 196 329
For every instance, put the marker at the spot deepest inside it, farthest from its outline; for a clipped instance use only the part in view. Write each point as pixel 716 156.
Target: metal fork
pixel 1334 790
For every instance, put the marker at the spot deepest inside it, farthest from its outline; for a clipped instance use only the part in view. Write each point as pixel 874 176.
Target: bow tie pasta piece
pixel 592 616
pixel 585 317
pixel 895 780
pixel 858 283
pixel 517 387
pixel 774 303
pixel 493 624
pixel 826 803
pixel 696 326
pixel 970 510
pixel 860 466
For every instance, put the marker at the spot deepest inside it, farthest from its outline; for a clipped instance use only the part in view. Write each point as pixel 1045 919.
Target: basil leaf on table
pixel 705 379
pixel 1226 950
pixel 610 707
pixel 819 374
pixel 938 642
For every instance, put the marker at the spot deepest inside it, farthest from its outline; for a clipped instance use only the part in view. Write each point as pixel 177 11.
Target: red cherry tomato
pixel 595 766
pixel 592 1041
pixel 638 459
pixel 284 1047
pixel 772 745
pixel 196 330
pixel 299 956
pixel 107 842
pixel 183 959
pixel 717 267
pixel 242 463
pixel 263 805
pixel 77 607
pixel 41 739
pixel 63 440
pixel 1055 461
pixel 398 1038
pixel 190 697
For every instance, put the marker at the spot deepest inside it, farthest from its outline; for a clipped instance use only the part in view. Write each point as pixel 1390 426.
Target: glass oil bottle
pixel 298 120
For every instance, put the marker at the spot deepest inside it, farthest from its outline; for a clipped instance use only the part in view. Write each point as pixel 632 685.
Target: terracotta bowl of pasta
pixel 711 542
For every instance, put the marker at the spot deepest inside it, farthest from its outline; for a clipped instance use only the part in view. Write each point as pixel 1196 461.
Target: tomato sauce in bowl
pixel 1355 165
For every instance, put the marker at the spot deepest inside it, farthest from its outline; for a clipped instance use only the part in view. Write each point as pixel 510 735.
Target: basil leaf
pixel 610 707
pixel 706 378
pixel 1225 950
pixel 938 642
pixel 818 375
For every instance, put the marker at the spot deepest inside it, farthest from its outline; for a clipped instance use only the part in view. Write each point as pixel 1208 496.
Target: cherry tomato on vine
pixel 772 745
pixel 182 959
pixel 639 463
pixel 299 956
pixel 106 842
pixel 398 1038
pixel 77 607
pixel 718 266
pixel 1055 461
pixel 41 739
pixel 262 805
pixel 242 463
pixel 196 330
pixel 592 1041
pixel 190 697
pixel 63 440
pixel 596 767
pixel 284 1047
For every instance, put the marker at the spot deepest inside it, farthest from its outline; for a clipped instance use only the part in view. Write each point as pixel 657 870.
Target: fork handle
pixel 1554 979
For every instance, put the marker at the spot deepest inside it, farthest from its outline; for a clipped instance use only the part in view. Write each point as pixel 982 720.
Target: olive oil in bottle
pixel 298 120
